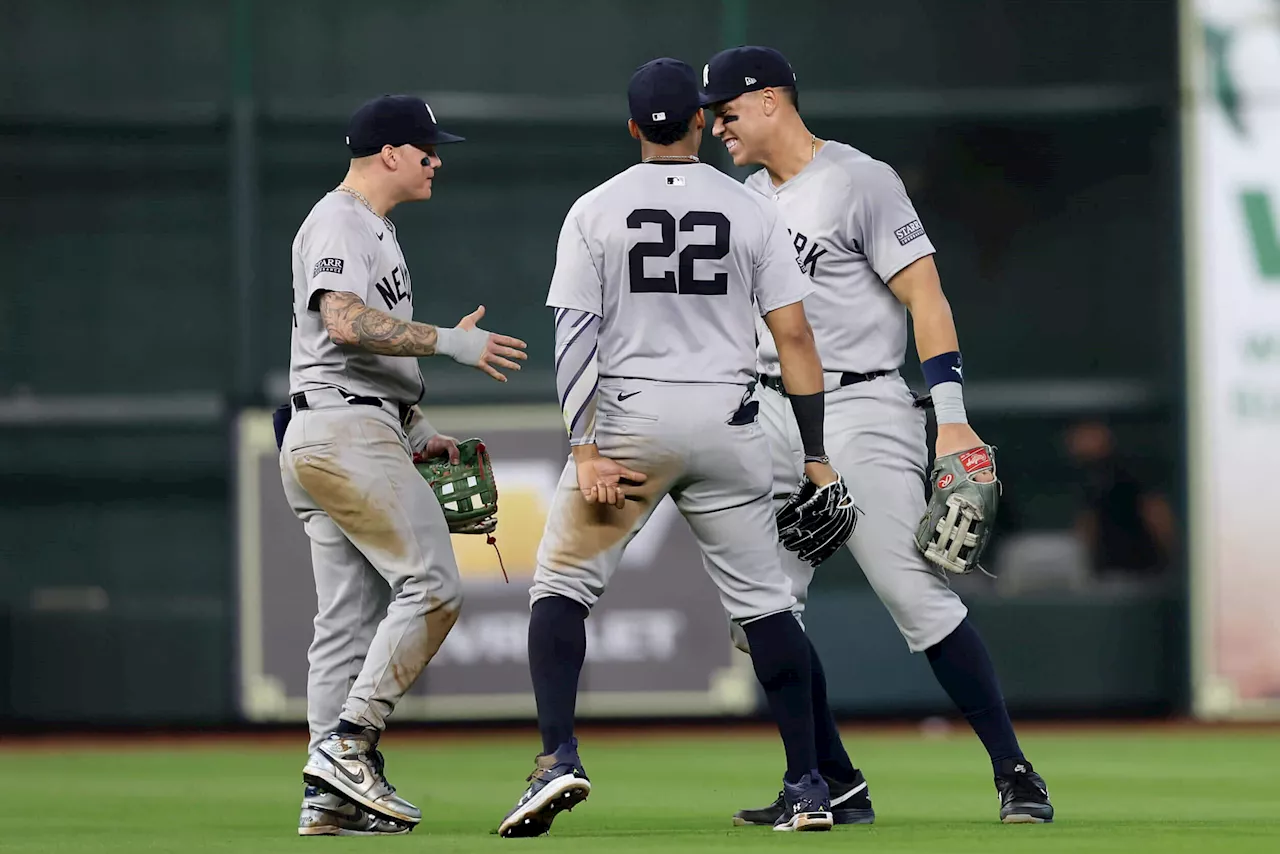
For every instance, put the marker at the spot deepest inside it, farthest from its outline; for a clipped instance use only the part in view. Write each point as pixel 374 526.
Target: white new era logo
pixel 659 117
pixel 751 81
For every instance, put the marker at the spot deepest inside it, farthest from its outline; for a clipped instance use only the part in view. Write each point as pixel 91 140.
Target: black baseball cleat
pixel 806 805
pixel 557 784
pixel 850 804
pixel 1024 799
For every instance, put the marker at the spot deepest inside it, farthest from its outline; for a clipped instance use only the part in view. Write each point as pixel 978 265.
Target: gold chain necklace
pixel 359 196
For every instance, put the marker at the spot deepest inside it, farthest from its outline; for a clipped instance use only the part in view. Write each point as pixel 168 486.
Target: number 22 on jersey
pixel 685 281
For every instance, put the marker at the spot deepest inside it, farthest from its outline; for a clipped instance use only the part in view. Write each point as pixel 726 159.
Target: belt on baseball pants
pixel 847 378
pixel 400 410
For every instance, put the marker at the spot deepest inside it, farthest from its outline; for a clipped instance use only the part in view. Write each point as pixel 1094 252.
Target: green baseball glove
pixel 466 489
pixel 962 512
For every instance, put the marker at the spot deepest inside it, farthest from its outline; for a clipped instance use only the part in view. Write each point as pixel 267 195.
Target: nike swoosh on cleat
pixel 345 773
pixel 847 795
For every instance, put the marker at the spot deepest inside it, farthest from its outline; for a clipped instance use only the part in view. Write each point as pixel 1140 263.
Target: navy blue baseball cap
pixel 747 68
pixel 394 120
pixel 663 90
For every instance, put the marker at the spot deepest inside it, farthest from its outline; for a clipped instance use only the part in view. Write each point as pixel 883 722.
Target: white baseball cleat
pixel 327 814
pixel 350 765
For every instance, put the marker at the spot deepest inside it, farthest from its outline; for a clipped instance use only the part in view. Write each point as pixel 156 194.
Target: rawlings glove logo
pixel 958 522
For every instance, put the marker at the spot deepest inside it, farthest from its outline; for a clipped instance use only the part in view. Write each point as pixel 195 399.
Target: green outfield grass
pixel 1131 790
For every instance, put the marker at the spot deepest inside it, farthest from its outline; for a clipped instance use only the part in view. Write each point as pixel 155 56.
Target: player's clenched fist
pixel 470 345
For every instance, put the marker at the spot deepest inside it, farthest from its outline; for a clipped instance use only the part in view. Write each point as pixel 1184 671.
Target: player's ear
pixel 700 119
pixel 769 101
pixel 633 128
pixel 390 155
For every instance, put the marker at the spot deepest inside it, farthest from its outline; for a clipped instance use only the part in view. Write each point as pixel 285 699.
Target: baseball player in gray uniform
pixel 860 242
pixel 387 586
pixel 660 273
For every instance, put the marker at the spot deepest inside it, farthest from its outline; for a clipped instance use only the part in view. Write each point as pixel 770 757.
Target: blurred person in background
pixel 1126 526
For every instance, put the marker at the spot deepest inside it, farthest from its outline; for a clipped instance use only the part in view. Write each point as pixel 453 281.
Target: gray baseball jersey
pixel 387 585
pixel 671 256
pixel 852 229
pixel 344 246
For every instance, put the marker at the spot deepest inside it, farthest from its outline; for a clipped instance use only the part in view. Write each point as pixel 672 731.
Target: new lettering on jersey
pixel 343 246
pixel 853 228
pixel 671 257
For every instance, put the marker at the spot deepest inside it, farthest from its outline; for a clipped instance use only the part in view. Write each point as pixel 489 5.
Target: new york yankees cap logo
pixel 394 120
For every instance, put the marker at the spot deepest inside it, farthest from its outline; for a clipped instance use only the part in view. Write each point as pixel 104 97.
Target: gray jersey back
pixel 852 228
pixel 343 246
pixel 671 257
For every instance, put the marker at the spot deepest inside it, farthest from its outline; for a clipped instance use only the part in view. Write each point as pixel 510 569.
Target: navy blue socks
pixel 557 648
pixel 782 655
pixel 963 667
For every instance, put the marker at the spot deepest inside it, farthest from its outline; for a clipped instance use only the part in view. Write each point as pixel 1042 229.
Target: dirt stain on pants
pixel 362 518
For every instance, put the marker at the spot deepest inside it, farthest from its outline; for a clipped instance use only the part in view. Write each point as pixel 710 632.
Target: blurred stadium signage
pixel 657 644
pixel 1232 158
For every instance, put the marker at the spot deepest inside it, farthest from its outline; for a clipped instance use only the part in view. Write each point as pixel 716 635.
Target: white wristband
pixel 462 345
pixel 948 403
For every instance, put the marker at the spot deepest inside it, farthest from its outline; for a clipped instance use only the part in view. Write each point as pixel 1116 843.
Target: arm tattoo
pixel 351 322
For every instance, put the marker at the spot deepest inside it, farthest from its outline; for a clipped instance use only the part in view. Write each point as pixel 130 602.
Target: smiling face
pixel 745 125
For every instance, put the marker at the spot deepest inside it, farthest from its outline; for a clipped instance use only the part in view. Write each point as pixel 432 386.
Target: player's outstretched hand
pixel 957 438
pixel 603 481
pixel 500 351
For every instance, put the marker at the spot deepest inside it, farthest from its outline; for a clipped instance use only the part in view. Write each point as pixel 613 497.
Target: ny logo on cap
pixel 706 74
pixel 430 113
